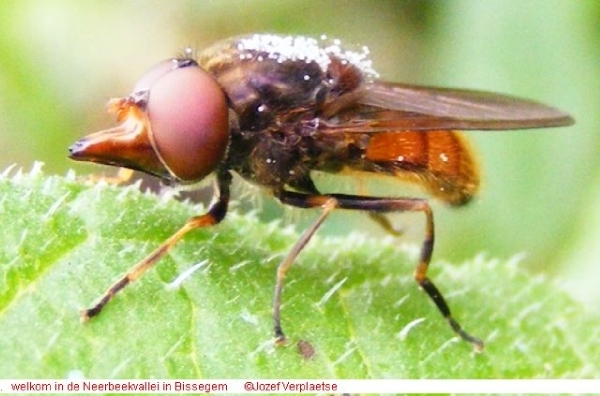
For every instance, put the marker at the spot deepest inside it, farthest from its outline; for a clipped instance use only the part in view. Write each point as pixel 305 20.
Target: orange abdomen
pixel 440 161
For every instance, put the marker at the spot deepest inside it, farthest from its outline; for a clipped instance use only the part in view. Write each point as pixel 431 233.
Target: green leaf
pixel 352 299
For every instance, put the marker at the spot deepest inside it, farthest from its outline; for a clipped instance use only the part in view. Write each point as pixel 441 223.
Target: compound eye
pixel 154 74
pixel 188 114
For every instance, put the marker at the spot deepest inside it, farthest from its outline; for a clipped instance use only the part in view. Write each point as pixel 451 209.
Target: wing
pixel 382 106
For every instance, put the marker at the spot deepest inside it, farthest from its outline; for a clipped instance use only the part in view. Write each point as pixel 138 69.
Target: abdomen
pixel 440 161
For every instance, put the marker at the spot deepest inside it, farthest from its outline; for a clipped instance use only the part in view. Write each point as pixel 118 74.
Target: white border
pixel 327 386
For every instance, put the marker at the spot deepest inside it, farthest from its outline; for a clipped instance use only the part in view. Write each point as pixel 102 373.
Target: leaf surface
pixel 352 299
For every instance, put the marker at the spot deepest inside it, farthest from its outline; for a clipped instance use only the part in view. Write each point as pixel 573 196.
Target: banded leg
pixel 215 214
pixel 375 205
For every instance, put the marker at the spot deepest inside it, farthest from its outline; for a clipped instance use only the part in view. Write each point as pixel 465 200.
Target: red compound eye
pixel 188 115
pixel 155 73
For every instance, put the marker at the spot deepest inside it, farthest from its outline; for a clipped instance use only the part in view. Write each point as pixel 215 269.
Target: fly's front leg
pixel 214 215
pixel 123 176
pixel 377 206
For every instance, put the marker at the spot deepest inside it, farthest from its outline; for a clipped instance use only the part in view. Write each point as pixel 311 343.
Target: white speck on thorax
pixel 284 48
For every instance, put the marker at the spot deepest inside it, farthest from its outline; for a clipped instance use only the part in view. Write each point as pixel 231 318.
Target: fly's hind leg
pixel 376 206
pixel 429 287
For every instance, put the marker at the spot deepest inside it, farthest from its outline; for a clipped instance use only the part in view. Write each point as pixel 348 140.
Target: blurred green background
pixel 61 60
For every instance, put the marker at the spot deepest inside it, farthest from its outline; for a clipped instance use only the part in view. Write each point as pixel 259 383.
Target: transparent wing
pixel 382 106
